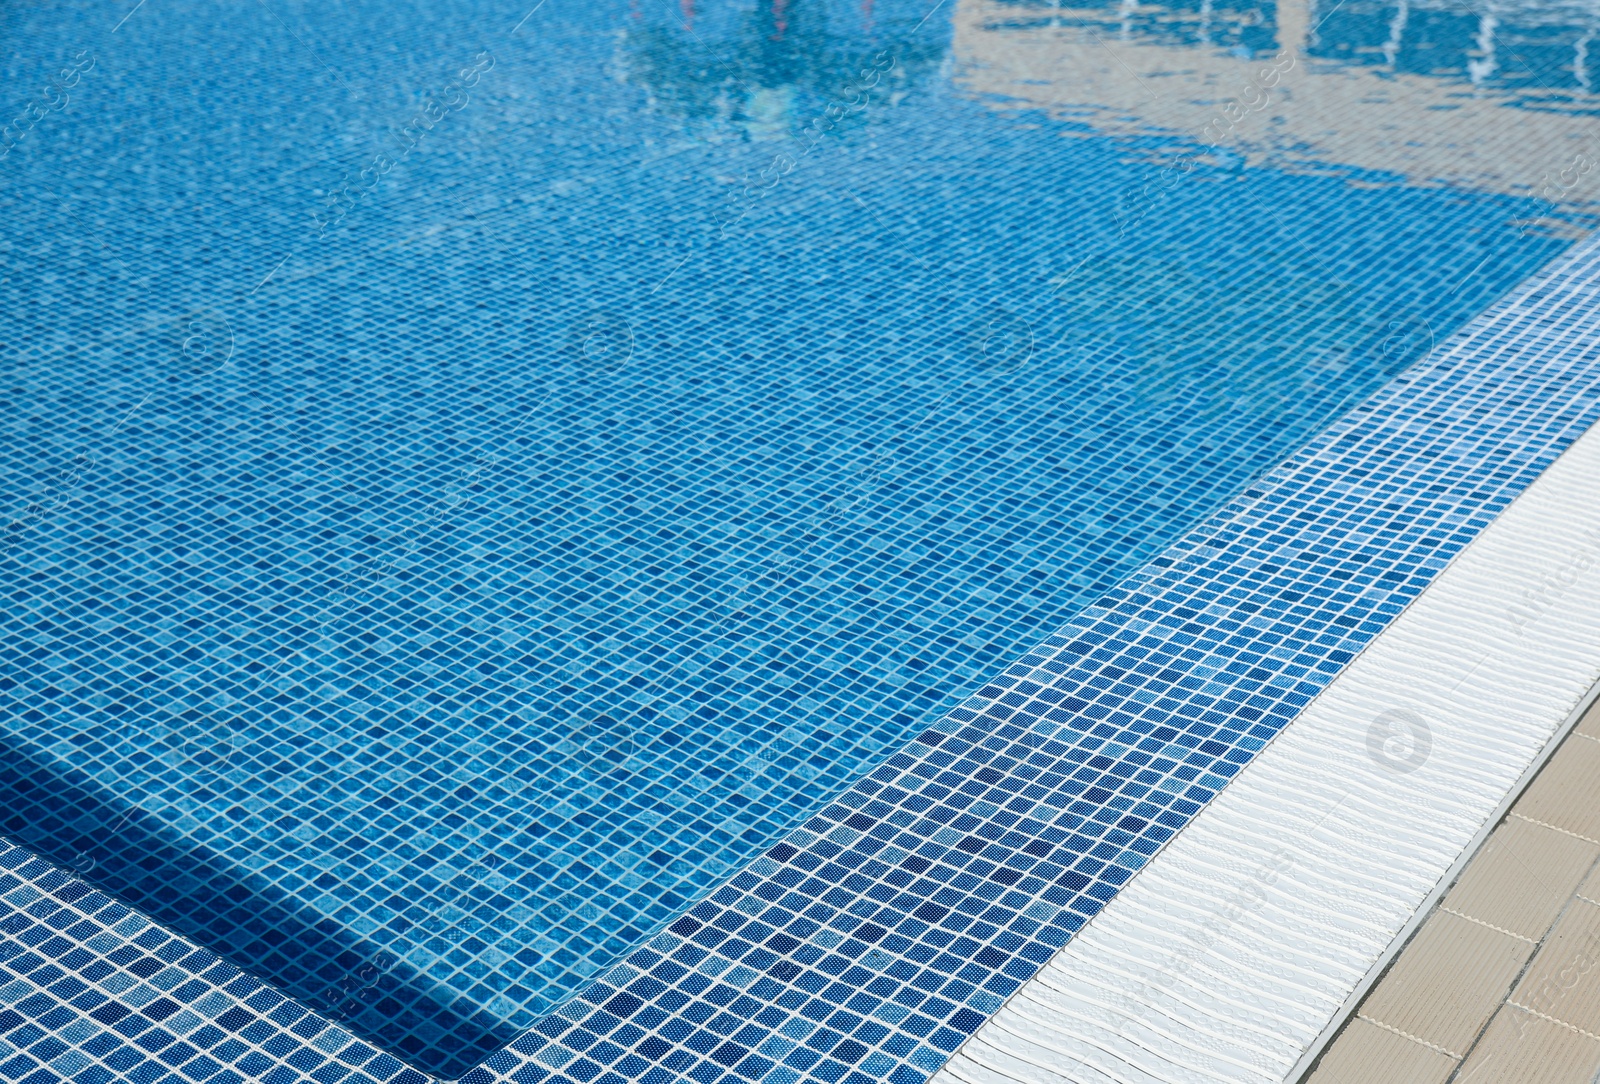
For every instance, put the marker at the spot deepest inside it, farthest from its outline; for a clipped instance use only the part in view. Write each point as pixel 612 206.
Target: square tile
pixel 1589 725
pixel 1566 795
pixel 1519 1048
pixel 1564 979
pixel 1448 981
pixel 1522 877
pixel 1365 1053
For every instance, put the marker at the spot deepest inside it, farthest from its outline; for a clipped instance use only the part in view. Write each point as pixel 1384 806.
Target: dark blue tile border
pixel 871 942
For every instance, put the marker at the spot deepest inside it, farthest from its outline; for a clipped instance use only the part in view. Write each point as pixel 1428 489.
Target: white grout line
pixel 1552 1019
pixel 1546 824
pixel 1435 1047
pixel 1472 851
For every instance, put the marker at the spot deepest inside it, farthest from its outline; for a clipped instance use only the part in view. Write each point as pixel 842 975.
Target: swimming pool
pixel 484 476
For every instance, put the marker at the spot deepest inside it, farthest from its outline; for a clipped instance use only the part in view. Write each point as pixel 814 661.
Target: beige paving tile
pixel 1590 888
pixel 1522 877
pixel 1566 792
pixel 1564 979
pixel 1365 1053
pixel 1519 1048
pixel 1448 981
pixel 1590 723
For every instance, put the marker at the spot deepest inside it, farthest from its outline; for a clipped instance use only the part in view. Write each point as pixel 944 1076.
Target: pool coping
pixel 1459 436
pixel 1308 1061
pixel 1484 889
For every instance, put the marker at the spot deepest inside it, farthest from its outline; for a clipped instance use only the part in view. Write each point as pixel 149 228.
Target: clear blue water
pixel 420 597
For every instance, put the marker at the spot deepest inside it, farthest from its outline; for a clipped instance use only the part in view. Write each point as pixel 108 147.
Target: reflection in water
pixel 1212 97
pixel 1539 49
pixel 1384 94
pixel 768 69
pixel 1240 28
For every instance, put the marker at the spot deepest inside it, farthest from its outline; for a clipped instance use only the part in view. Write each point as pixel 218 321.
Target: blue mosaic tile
pixel 529 498
pixel 870 942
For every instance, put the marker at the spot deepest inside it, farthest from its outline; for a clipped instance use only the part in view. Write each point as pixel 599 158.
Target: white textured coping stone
pixel 1232 953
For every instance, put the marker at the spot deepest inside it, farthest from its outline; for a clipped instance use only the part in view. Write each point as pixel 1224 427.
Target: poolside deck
pixel 1500 983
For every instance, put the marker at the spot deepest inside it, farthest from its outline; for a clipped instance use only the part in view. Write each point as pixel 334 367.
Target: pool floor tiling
pixel 527 529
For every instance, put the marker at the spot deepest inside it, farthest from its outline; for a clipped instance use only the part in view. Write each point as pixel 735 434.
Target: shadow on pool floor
pixel 62 814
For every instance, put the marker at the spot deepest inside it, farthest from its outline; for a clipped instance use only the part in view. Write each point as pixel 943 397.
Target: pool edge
pixel 1525 575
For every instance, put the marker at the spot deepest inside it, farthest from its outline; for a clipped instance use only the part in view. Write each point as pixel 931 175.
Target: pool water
pixel 442 550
